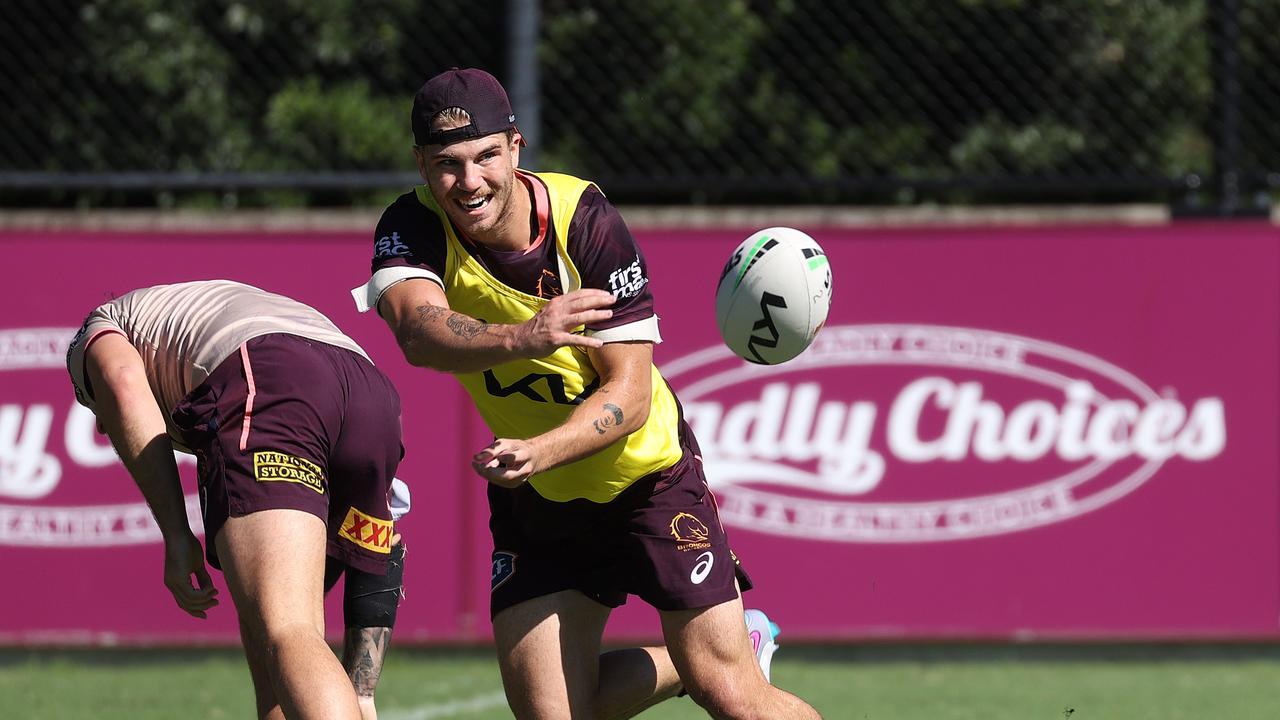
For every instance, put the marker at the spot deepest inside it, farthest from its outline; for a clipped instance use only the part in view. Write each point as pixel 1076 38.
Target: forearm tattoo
pixel 461 325
pixel 363 651
pixel 466 327
pixel 613 419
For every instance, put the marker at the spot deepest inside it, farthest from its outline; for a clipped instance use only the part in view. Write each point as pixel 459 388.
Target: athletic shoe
pixel 763 633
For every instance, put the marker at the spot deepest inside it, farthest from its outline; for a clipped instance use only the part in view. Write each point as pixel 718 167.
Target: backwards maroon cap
pixel 475 91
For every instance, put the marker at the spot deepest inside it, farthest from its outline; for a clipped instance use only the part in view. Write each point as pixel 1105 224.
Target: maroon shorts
pixel 661 540
pixel 292 423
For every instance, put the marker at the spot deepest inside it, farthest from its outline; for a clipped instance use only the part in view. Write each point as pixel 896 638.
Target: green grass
pixel 950 682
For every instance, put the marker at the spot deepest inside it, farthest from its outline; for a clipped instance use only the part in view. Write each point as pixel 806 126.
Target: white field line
pixel 449 709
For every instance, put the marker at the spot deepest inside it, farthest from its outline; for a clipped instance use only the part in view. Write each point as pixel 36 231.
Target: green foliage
pixel 648 90
pixel 311 127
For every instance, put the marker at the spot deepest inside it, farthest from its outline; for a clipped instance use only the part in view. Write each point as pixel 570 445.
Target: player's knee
pixel 279 639
pixel 723 697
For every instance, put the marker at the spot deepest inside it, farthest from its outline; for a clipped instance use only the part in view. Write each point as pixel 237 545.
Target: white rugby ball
pixel 773 295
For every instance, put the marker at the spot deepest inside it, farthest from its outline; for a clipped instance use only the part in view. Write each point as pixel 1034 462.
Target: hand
pixel 551 328
pixel 506 463
pixel 183 557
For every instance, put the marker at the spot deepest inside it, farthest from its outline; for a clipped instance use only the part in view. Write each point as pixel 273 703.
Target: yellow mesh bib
pixel 524 398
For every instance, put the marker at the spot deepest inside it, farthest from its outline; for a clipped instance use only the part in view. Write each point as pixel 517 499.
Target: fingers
pixel 181 565
pixel 195 601
pixel 500 475
pixel 586 299
pixel 552 327
pixel 582 307
pixel 501 454
pixel 582 341
pixel 505 462
pixel 587 317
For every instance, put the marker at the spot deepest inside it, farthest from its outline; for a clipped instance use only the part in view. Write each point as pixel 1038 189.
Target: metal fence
pixel 138 101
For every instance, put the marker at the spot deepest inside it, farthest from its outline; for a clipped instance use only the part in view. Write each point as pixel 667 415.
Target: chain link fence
pixel 136 102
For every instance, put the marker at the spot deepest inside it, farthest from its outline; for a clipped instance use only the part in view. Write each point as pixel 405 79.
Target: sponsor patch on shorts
pixel 368 532
pixel 271 466
pixel 504 566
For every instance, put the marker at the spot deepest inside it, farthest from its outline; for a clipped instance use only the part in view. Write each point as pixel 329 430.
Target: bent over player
pixel 297 438
pixel 531 290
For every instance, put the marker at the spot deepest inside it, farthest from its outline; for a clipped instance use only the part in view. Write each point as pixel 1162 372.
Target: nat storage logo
pixel 61 484
pixel 920 433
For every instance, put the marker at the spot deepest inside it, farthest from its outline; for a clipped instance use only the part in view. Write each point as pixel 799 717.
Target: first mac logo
pixel 390 246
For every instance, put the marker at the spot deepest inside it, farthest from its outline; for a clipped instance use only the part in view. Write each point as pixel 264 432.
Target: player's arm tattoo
pixel 460 324
pixel 612 419
pixel 362 656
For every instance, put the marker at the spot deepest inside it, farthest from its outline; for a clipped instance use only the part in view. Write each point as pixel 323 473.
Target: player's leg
pixel 370 604
pixel 548 652
pixel 635 679
pixel 274 564
pixel 363 652
pixel 553 586
pixel 549 655
pixel 365 501
pixel 683 566
pixel 711 650
pixel 264 695
pixel 263 424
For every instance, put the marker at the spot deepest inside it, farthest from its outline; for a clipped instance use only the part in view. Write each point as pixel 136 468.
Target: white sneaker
pixel 763 633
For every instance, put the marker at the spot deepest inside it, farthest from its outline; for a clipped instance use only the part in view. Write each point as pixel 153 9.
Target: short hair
pixel 451 118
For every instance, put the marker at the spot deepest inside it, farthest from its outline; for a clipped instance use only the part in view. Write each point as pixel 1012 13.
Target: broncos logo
pixel 690 533
pixel 548 285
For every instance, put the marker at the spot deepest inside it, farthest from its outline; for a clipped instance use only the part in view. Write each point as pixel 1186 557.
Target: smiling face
pixel 474 181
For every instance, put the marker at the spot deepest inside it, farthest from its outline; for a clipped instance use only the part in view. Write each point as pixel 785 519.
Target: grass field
pixel 953 682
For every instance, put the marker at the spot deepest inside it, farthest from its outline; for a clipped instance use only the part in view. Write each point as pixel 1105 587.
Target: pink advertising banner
pixel 1008 433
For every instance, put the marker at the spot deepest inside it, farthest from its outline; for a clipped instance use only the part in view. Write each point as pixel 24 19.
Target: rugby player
pixel 530 289
pixel 297 439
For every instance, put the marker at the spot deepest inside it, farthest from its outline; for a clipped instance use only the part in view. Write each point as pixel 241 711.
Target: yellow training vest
pixel 525 398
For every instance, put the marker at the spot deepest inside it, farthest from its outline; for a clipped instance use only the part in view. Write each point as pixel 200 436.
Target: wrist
pixel 515 339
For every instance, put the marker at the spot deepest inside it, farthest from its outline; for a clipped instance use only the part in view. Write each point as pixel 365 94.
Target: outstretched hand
pixel 552 327
pixel 183 557
pixel 506 462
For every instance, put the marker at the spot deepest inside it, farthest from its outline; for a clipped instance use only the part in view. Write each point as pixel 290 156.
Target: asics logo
pixel 703 568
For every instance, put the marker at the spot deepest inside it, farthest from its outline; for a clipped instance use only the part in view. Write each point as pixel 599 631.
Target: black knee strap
pixel 372 600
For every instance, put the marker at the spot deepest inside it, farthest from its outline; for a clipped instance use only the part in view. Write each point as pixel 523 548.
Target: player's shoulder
pixel 596 214
pixel 597 224
pixel 408 208
pixel 407 225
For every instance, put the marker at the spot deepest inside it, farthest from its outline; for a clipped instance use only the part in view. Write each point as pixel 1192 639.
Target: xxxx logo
pixel 368 532
pixel 690 532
